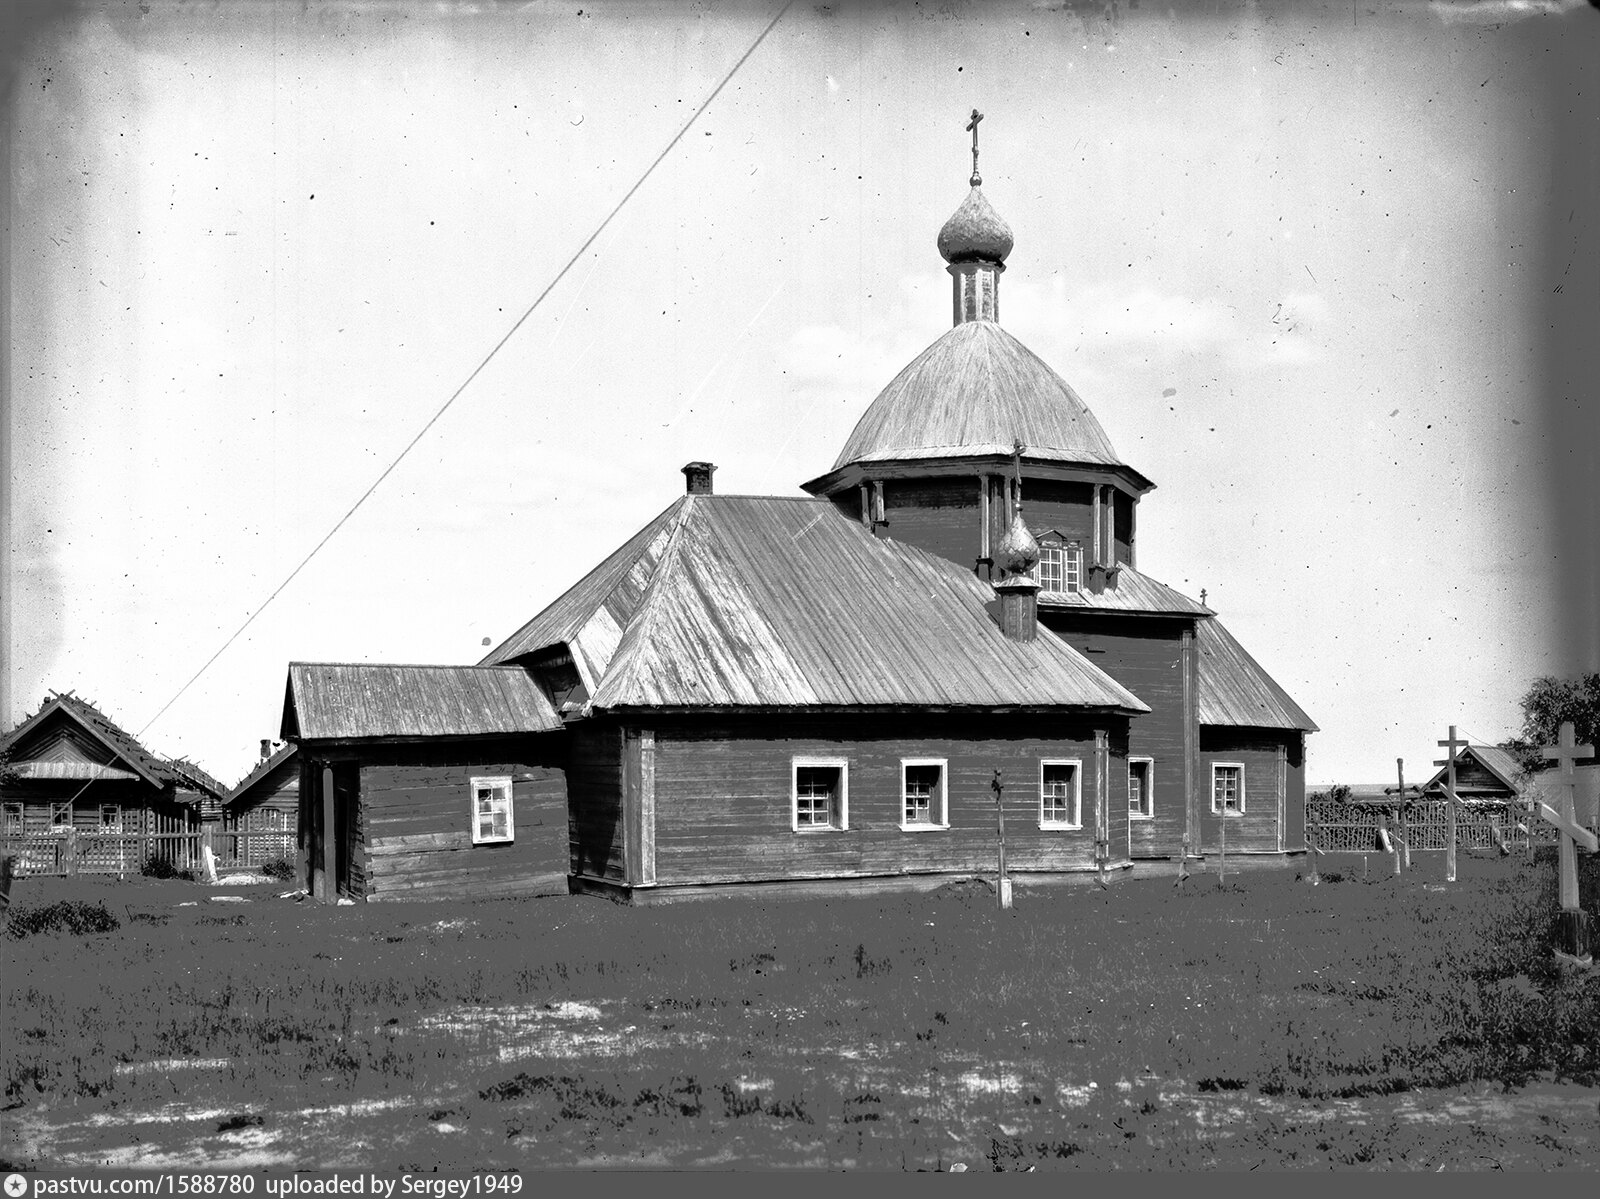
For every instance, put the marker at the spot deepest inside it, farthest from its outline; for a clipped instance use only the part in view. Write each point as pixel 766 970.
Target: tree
pixel 1544 706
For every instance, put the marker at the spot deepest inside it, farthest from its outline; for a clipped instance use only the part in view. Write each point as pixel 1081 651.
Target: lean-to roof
pixel 339 701
pixel 775 602
pixel 1234 690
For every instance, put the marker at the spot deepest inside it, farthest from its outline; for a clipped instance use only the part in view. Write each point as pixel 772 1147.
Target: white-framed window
pixel 1060 565
pixel 110 818
pixel 819 796
pixel 60 817
pixel 1141 783
pixel 1060 793
pixel 13 820
pixel 924 794
pixel 492 821
pixel 1227 787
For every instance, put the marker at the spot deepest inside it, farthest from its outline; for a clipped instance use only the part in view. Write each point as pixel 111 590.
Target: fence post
pixel 69 852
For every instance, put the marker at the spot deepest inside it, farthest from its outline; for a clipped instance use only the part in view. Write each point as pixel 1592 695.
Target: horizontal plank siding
pixel 594 785
pixel 1145 655
pixel 1257 751
pixel 724 797
pixel 416 826
pixel 936 515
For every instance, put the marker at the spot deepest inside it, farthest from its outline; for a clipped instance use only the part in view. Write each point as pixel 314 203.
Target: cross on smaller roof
pixel 972 128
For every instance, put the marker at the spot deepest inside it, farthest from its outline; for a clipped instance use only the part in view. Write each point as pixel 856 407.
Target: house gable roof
pixel 126 757
pixel 747 601
pixel 355 701
pixel 261 772
pixel 1492 758
pixel 1234 690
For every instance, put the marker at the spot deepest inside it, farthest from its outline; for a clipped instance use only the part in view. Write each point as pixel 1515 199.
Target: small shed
pixel 259 814
pixel 1483 772
pixel 83 795
pixel 426 782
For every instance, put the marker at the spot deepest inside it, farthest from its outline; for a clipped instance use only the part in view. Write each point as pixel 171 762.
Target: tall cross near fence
pixel 1449 763
pixel 1574 920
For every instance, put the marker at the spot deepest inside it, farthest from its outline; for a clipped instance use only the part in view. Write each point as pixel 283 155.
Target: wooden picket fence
pixel 71 851
pixel 1337 826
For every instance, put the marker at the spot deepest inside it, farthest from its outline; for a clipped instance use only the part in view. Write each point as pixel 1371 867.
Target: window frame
pixel 1070 552
pixel 839 820
pixel 503 784
pixel 13 812
pixel 1076 799
pixel 938 820
pixel 1147 810
pixel 114 828
pixel 1215 767
pixel 57 811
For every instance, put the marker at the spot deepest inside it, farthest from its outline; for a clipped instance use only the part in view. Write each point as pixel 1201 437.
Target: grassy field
pixel 1381 1023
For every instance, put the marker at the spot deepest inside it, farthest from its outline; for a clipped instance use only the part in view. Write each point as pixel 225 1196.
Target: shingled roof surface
pixel 1234 690
pixel 977 391
pixel 745 601
pixel 155 770
pixel 352 701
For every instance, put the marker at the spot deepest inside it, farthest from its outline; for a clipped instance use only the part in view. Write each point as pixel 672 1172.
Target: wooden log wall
pixel 723 797
pixel 937 515
pixel 594 801
pixel 1258 751
pixel 417 826
pixel 1145 655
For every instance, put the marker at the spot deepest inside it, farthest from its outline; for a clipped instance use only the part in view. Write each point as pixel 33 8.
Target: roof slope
pixel 1492 758
pixel 776 602
pixel 261 770
pixel 1134 592
pixel 1234 690
pixel 977 391
pixel 336 700
pixel 117 741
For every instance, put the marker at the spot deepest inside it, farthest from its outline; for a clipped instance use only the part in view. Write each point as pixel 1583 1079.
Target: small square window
pixel 1227 788
pixel 13 820
pixel 1141 778
pixel 1060 566
pixel 924 804
pixel 491 811
pixel 60 817
pixel 1060 794
pixel 110 818
pixel 819 797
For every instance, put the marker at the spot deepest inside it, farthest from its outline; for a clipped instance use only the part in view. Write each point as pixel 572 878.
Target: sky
pixel 1325 272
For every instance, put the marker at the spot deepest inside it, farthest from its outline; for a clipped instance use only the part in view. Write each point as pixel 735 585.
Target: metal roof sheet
pixel 1234 690
pixel 778 602
pixel 337 700
pixel 978 390
pixel 1134 592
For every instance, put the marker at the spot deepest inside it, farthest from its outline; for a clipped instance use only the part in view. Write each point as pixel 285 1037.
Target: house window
pixel 491 811
pixel 1227 787
pixel 110 818
pixel 13 820
pixel 1060 565
pixel 1141 801
pixel 923 790
pixel 1060 795
pixel 820 794
pixel 60 817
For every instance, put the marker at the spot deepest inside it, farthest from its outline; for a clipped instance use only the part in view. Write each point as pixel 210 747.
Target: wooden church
pixel 846 691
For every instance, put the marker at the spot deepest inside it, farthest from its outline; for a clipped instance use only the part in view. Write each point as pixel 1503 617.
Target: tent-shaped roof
pixel 349 701
pixel 120 753
pixel 976 392
pixel 1234 690
pixel 744 601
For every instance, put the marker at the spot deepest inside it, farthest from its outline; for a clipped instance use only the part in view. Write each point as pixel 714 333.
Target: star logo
pixel 16 1186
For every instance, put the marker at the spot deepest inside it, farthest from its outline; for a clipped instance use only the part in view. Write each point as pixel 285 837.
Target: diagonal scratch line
pixel 477 370
pixel 695 394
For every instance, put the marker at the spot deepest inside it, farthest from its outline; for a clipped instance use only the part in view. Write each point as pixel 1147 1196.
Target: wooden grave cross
pixel 1566 819
pixel 1450 747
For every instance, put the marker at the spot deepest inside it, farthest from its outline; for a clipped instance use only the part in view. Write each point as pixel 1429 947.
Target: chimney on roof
pixel 266 748
pixel 697 476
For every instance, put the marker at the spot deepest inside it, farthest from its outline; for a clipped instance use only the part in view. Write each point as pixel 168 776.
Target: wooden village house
pixel 258 817
pixel 831 691
pixel 83 795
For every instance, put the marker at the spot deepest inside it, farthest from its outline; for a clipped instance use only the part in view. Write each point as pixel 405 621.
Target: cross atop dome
pixel 975 242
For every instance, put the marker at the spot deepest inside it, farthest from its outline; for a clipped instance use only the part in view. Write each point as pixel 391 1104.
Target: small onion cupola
pixel 975 242
pixel 1016 556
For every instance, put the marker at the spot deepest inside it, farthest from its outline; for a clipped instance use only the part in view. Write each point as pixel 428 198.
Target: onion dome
pixel 975 232
pixel 1017 552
